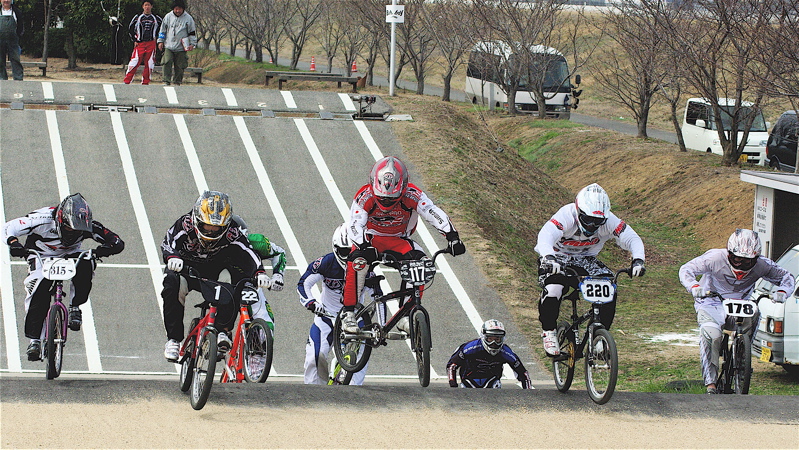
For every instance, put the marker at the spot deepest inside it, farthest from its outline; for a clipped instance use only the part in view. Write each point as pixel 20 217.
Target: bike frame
pixel 234 364
pixel 206 321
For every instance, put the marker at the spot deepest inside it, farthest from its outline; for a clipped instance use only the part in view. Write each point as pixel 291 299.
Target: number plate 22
pixel 597 290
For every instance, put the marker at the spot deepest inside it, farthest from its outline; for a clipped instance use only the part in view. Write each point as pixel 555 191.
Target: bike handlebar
pixel 85 254
pixel 573 272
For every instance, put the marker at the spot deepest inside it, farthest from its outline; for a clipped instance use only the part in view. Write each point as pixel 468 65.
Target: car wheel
pixel 774 163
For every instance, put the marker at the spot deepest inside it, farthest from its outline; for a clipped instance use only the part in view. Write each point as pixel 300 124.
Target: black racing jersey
pixel 144 27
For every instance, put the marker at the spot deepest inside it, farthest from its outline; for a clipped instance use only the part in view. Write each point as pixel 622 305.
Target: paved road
pixel 291 177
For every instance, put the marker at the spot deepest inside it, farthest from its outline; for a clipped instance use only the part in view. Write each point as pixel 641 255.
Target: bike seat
pixel 374 281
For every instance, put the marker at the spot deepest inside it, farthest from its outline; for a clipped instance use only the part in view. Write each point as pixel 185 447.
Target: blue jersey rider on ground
pixel 479 362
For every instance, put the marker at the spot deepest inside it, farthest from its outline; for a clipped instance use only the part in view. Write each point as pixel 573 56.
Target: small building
pixel 776 212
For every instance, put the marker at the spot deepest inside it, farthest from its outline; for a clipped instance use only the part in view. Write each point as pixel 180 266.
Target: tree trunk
pixel 48 7
pixel 447 86
pixel 69 46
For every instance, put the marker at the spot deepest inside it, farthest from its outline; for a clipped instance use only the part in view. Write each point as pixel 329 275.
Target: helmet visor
pixel 69 236
pixel 387 202
pixel 343 252
pixel 211 231
pixel 741 263
pixel 591 221
pixel 494 342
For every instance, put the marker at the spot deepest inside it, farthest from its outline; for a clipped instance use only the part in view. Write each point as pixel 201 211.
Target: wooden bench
pixel 195 71
pixel 37 64
pixel 310 76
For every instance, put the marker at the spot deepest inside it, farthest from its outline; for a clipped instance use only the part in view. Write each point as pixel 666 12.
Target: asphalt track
pixel 141 155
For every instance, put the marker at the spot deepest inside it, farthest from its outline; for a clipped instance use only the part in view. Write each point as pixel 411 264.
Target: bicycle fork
pixel 234 363
pixel 58 296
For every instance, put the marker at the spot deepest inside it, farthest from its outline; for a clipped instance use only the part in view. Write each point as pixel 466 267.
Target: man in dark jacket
pixel 11 29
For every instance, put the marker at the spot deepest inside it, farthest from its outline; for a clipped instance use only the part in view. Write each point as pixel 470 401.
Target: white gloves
pixel 263 281
pixel 174 264
pixel 778 297
pixel 317 308
pixel 276 282
pixel 697 291
pixel 551 265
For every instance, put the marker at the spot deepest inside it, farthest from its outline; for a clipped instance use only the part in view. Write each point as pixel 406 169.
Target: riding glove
pixel 778 297
pixel 276 282
pixel 454 243
pixel 17 249
pixel 638 268
pixel 263 281
pixel 316 308
pixel 550 265
pixel 174 264
pixel 697 291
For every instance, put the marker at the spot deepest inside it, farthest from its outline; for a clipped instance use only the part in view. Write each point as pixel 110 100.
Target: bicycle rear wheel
pixel 742 366
pixel 204 369
pixel 55 341
pixel 421 346
pixel 601 366
pixel 258 342
pixel 352 353
pixel 563 365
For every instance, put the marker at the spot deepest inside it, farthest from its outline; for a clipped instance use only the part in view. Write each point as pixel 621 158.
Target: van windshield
pixel 789 261
pixel 557 72
pixel 759 124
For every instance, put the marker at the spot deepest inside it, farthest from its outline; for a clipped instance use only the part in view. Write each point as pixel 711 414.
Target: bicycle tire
pixel 421 346
pixel 258 344
pixel 204 369
pixel 339 375
pixel 601 369
pixel 742 365
pixel 55 341
pixel 357 346
pixel 563 365
pixel 724 382
pixel 187 364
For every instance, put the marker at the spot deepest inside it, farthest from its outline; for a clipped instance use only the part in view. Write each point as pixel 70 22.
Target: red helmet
pixel 389 180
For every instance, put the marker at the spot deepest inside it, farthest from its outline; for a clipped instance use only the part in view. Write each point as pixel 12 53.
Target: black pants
pixel 40 300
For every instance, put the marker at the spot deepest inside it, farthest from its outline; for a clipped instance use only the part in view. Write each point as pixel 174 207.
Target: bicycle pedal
pixel 396 335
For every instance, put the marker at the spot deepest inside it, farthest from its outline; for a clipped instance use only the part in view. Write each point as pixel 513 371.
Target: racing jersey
pixel 562 235
pixel 181 241
pixel 144 27
pixel 40 227
pixel 269 250
pixel 327 270
pixel 368 219
pixel 472 361
pixel 719 276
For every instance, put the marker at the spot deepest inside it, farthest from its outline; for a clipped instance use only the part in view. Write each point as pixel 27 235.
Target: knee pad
pixel 710 331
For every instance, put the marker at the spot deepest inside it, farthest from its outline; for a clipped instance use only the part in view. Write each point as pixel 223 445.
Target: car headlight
pixel 763 143
pixel 774 326
pixel 770 326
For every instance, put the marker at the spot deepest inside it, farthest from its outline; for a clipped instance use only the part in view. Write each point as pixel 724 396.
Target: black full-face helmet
pixel 73 218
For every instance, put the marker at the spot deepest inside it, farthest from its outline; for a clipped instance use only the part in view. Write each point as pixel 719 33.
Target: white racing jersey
pixel 561 235
pixel 719 276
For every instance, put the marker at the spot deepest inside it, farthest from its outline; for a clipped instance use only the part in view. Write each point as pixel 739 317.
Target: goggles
pixel 211 231
pixel 742 263
pixel 592 221
pixel 343 252
pixel 494 341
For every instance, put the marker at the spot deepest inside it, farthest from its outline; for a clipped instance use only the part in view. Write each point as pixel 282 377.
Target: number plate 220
pixel 597 290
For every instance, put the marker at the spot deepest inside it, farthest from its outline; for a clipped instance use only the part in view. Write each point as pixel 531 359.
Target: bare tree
pixel 633 68
pixel 718 59
pixel 329 32
pixel 300 17
pixel 210 25
pixel 451 26
pixel 259 21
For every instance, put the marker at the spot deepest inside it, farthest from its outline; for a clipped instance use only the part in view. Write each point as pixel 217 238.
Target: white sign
pixel 395 13
pixel 763 222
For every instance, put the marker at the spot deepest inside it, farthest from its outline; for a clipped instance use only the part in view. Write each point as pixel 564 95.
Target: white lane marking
pixel 7 299
pixel 171 95
pixel 131 266
pixel 47 90
pixel 348 104
pixel 231 99
pixel 341 203
pixel 150 246
pixel 191 153
pixel 110 95
pixel 89 331
pixel 288 98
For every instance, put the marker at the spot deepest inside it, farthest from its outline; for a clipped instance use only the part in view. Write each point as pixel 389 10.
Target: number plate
pixel 249 296
pixel 743 158
pixel 597 290
pixel 765 354
pixel 58 268
pixel 417 272
pixel 739 308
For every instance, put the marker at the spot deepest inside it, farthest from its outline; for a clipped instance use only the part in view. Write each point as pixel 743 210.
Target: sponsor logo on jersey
pixel 577 243
pixel 359 263
pixel 620 229
pixel 557 224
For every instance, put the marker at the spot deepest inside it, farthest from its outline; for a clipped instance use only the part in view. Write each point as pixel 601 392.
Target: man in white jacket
pixel 574 236
pixel 732 273
pixel 178 36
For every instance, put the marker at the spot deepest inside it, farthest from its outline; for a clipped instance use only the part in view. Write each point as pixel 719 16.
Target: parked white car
pixel 699 129
pixel 777 337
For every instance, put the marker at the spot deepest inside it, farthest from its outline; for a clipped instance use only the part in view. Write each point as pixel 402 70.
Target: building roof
pixel 788 182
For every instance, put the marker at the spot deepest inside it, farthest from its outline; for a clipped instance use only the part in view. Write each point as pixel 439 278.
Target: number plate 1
pixel 739 308
pixel 58 269
pixel 597 290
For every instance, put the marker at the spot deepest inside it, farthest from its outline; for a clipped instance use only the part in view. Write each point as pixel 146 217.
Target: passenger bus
pixel 491 66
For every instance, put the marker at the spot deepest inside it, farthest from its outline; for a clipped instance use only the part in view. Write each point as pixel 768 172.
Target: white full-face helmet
pixel 593 207
pixel 492 336
pixel 743 249
pixel 341 244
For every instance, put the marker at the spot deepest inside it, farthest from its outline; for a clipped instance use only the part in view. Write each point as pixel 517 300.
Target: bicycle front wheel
pixel 187 364
pixel 337 373
pixel 563 364
pixel 601 366
pixel 204 369
pixel 258 342
pixel 742 371
pixel 55 341
pixel 422 341
pixel 352 353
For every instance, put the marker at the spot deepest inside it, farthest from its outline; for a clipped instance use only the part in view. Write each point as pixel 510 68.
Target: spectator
pixel 143 30
pixel 11 29
pixel 178 35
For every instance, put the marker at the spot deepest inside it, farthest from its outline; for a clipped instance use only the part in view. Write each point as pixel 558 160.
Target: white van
pixel 699 130
pixel 777 337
